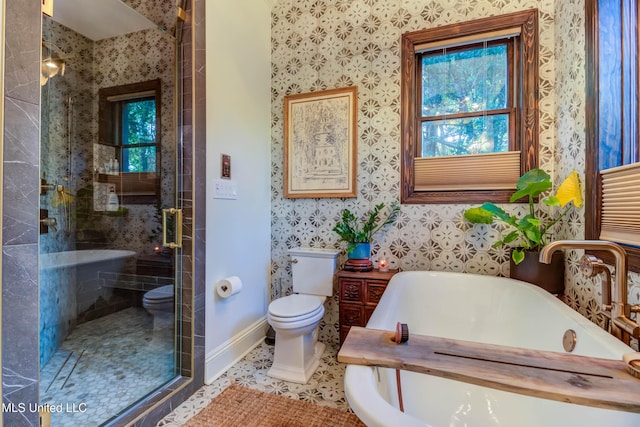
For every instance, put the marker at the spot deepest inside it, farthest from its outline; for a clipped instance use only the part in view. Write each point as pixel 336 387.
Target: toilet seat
pixel 159 295
pixel 291 322
pixel 159 299
pixel 296 307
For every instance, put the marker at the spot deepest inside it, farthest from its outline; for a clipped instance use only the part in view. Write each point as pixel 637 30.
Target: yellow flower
pixel 570 190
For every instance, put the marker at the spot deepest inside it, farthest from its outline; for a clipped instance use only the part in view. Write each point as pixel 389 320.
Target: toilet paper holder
pixel 228 286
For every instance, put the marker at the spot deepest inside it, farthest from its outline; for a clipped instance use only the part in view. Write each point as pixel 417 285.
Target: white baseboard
pixel 230 352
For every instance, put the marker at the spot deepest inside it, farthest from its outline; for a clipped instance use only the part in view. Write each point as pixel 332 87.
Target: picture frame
pixel 320 143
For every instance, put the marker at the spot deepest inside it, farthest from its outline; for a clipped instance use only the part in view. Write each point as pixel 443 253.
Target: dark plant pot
pixel 549 277
pixel 361 251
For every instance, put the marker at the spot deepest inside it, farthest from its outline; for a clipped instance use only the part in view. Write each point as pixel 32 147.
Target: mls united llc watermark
pixel 35 407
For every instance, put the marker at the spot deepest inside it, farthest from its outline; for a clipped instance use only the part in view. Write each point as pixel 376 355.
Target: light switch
pixel 225 189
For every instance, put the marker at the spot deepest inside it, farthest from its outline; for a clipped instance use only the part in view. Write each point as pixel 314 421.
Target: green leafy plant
pixel 352 229
pixel 530 231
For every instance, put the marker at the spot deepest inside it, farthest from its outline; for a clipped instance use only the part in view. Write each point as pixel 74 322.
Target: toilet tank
pixel 312 270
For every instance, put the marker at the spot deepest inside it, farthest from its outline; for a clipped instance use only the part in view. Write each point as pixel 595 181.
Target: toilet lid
pixel 295 305
pixel 162 293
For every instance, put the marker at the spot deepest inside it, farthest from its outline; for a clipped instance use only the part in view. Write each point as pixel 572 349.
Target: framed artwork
pixel 320 143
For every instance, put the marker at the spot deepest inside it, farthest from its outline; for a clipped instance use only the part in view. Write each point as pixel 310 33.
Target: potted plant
pixel 359 232
pixel 529 233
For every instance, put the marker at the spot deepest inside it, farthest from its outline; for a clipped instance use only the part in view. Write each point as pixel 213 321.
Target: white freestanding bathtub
pixel 82 270
pixel 83 257
pixel 484 309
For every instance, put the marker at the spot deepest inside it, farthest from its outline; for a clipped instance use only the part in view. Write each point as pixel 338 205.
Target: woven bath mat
pixel 240 406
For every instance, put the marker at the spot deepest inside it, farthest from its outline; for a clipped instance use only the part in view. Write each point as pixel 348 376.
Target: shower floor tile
pixel 104 366
pixel 325 387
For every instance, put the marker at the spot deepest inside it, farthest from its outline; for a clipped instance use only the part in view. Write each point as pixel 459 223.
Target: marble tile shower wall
pixel 20 198
pixel 338 43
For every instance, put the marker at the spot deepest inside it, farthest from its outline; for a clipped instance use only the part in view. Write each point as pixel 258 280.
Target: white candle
pixel 383 265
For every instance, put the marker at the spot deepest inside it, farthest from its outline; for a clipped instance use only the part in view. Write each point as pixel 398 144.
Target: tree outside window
pixel 465 100
pixel 139 136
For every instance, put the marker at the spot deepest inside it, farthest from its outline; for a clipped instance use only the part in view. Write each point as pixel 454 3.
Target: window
pixel 138 148
pixel 613 140
pixel 130 123
pixel 469 109
pixel 466 99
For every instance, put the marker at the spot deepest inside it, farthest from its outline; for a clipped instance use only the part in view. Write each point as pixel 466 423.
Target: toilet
pixel 159 302
pixel 296 317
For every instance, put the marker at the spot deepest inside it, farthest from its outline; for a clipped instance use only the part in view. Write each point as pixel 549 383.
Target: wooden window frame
pixel 593 179
pixel 527 132
pixel 132 187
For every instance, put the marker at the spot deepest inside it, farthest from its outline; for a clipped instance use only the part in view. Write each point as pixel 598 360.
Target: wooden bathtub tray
pixel 564 377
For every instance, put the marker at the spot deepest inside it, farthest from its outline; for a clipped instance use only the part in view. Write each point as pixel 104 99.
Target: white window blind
pixel 468 39
pixel 491 171
pixel 620 220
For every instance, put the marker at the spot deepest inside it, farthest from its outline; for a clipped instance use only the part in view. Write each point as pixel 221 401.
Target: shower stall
pixel 110 288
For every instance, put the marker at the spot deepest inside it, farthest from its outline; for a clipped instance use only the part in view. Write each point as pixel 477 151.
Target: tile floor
pixel 325 387
pixel 104 366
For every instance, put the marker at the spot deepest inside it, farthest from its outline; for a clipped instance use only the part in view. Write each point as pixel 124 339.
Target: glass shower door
pixel 109 215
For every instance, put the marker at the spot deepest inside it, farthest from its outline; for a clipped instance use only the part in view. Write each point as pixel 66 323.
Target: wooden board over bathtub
pixel 565 377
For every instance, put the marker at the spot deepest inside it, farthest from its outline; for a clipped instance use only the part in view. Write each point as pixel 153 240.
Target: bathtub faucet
pixel 620 309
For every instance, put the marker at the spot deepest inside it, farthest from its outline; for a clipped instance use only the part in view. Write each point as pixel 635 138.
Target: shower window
pixel 138 148
pixel 130 122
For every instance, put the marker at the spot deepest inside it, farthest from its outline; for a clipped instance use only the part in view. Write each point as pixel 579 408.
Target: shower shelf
pixel 136 187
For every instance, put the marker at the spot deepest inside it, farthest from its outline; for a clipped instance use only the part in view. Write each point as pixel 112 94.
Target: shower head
pixel 54 47
pixel 50 67
pixel 54 61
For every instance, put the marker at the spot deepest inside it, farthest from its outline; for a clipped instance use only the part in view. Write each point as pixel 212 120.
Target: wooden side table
pixel 359 295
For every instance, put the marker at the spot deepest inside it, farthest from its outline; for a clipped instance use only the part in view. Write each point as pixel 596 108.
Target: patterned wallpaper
pixel 90 67
pixel 581 293
pixel 161 13
pixel 66 135
pixel 319 45
pixel 115 65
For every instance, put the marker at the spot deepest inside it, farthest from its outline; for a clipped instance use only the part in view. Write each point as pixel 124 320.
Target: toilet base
pixel 296 358
pixel 162 320
pixel 161 341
